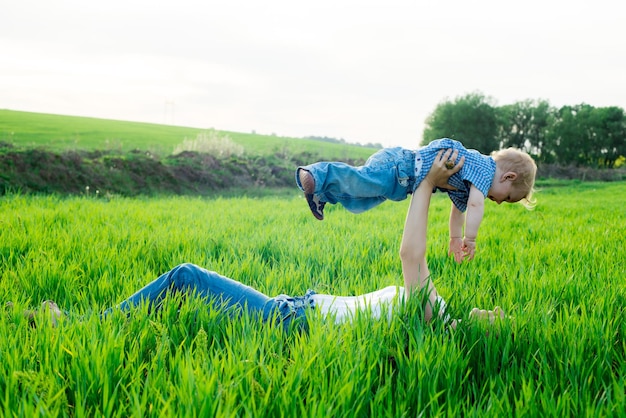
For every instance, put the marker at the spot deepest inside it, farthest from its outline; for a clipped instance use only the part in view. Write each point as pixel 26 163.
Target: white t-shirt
pixel 343 308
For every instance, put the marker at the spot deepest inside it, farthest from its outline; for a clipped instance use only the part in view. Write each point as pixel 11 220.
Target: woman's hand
pixel 443 168
pixel 497 312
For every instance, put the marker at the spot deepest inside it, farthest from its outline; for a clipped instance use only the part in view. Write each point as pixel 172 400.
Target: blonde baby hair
pixel 519 162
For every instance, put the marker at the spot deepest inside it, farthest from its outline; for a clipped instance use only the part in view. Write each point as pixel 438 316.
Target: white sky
pixel 362 70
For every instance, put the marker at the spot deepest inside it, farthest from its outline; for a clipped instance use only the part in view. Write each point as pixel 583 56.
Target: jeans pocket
pixel 403 180
pixel 405 177
pixel 404 174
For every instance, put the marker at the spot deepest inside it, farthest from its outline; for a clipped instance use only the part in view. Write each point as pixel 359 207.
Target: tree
pixel 581 134
pixel 524 125
pixel 610 123
pixel 575 137
pixel 470 119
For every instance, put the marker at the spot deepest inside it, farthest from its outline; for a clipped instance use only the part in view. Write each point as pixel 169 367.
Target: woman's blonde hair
pixel 519 162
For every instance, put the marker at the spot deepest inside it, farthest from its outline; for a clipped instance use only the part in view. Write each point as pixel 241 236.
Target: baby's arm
pixel 475 211
pixel 457 219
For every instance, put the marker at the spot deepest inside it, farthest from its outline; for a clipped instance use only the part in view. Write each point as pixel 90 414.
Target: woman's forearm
pixel 413 248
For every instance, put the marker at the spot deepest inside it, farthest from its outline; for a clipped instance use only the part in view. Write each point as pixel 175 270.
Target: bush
pixel 210 142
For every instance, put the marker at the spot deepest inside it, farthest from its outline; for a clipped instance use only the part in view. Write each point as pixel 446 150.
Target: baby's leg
pixel 386 175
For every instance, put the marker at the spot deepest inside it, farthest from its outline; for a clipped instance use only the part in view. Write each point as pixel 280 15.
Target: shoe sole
pixel 308 186
pixel 313 206
pixel 307 182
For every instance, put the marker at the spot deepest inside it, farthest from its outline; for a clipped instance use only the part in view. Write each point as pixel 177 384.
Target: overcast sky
pixel 365 71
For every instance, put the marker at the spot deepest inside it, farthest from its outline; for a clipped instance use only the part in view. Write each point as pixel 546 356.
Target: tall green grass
pixel 62 133
pixel 558 271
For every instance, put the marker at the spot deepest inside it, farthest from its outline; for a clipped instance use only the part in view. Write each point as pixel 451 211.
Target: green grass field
pixel 558 270
pixel 61 133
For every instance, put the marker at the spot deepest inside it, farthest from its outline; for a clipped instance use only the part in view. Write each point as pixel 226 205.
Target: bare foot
pixel 27 313
pixel 47 306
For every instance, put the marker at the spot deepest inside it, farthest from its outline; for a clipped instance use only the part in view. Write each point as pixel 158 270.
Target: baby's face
pixel 503 191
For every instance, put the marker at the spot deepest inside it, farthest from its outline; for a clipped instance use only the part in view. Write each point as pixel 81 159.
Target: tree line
pixel 581 135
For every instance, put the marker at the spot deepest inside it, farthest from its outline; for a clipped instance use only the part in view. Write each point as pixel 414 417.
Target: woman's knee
pixel 186 275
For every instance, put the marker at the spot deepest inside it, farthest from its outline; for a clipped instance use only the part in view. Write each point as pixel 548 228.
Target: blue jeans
pixel 388 174
pixel 224 293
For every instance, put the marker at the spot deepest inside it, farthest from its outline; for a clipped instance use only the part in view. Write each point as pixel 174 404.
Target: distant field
pixel 57 132
pixel 558 270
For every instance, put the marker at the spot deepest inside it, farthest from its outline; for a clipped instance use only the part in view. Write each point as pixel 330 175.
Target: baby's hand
pixel 469 248
pixel 456 249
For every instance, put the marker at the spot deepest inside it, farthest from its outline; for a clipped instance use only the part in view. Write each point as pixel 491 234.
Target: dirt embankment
pixel 141 173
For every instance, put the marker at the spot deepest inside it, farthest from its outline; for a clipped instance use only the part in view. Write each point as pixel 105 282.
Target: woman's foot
pixel 308 186
pixel 47 306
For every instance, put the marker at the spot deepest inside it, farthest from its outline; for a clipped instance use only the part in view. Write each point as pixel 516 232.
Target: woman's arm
pixel 413 246
pixel 413 249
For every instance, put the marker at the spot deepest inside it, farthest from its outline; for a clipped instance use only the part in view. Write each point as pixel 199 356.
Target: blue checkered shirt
pixel 478 170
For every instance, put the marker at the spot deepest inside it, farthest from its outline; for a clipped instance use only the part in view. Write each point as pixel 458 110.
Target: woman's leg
pixel 191 279
pixel 225 292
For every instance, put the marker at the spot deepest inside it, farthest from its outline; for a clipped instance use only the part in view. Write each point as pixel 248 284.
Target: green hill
pixel 63 133
pixel 44 153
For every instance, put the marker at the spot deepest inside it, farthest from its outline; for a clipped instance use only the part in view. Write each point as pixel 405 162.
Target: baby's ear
pixel 510 175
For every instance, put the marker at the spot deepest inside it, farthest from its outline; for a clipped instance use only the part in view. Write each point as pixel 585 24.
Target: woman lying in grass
pixel 231 295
